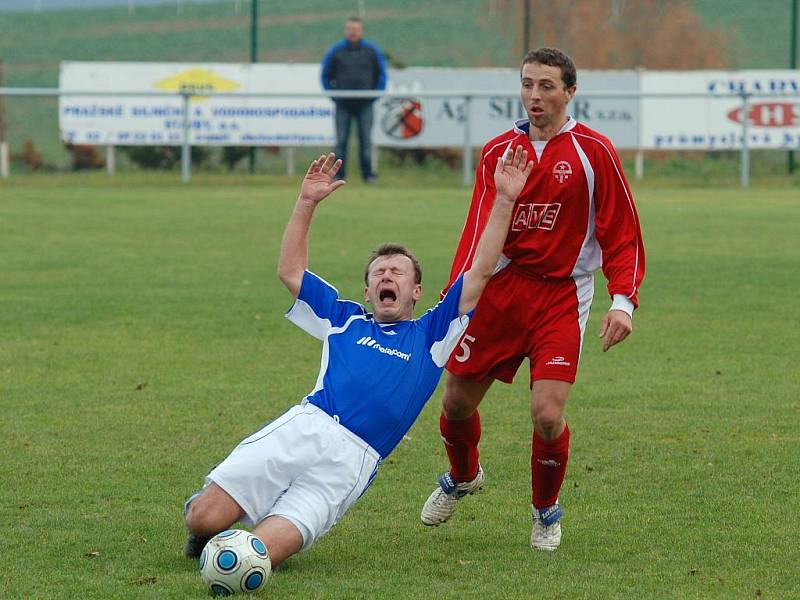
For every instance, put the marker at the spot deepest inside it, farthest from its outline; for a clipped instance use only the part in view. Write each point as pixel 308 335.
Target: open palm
pixel 511 173
pixel 320 179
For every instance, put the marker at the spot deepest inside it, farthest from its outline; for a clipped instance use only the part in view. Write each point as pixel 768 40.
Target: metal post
pixel 290 161
pixel 111 160
pixel 638 165
pixel 467 160
pixel 4 170
pixel 793 65
pixel 186 148
pixel 745 162
pixel 526 24
pixel 3 143
pixel 253 59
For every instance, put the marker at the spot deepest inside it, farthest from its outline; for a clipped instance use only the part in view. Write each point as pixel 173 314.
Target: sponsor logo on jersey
pixel 769 114
pixel 559 361
pixel 535 216
pixel 562 171
pixel 370 342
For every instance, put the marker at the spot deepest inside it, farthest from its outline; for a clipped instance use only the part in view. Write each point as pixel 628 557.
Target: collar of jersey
pixel 524 126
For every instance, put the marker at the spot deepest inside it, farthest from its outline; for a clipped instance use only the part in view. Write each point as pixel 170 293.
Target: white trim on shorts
pixel 303 466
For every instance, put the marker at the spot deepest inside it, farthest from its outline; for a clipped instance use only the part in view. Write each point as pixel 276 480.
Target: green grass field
pixel 142 336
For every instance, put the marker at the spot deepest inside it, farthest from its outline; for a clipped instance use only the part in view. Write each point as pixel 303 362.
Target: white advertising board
pixel 222 121
pixel 714 122
pixel 416 121
pixel 412 121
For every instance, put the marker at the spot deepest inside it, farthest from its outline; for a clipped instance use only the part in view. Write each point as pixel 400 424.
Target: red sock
pixel 461 442
pixel 548 467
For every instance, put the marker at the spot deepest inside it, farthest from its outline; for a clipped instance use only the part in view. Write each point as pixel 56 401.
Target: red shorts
pixel 521 315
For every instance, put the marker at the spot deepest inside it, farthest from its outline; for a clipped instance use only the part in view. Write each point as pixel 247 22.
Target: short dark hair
pixel 553 57
pixel 354 19
pixel 392 250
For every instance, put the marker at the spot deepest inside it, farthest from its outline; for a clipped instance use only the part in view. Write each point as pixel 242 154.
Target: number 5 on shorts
pixel 465 350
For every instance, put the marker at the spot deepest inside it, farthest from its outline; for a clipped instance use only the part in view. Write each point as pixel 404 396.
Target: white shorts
pixel 303 466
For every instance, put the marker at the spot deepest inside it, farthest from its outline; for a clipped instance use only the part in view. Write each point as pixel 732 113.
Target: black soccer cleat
pixel 195 545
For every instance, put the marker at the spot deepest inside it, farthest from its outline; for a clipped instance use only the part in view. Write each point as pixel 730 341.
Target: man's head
pixel 393 281
pixel 548 78
pixel 354 30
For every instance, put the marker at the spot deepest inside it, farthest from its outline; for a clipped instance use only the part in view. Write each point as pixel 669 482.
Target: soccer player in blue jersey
pixel 294 479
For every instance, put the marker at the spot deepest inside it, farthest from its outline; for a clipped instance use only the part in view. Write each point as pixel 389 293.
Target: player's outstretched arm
pixel 319 182
pixel 510 175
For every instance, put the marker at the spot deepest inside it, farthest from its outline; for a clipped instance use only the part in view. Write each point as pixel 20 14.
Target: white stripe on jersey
pixel 302 315
pixel 590 256
pixel 440 351
pixel 630 205
pixel 323 363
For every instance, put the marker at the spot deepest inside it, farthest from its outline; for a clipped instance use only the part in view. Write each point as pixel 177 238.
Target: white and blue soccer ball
pixel 235 561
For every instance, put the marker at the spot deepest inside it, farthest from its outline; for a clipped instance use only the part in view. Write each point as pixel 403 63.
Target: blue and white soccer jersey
pixel 312 463
pixel 375 377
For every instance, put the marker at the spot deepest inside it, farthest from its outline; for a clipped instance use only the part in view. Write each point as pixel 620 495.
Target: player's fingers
pixel 609 343
pixel 328 163
pixel 528 168
pixel 518 157
pixel 337 184
pixel 524 160
pixel 335 168
pixel 603 326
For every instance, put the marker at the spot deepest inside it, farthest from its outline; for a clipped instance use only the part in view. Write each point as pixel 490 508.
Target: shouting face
pixel 391 288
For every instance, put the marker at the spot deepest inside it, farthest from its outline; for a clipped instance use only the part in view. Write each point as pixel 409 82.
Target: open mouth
pixel 387 296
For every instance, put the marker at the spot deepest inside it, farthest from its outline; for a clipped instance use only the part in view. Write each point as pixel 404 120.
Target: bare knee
pixel 548 423
pixel 547 408
pixel 462 396
pixel 213 511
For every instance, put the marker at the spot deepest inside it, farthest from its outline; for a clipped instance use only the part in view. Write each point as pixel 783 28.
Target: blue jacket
pixel 359 66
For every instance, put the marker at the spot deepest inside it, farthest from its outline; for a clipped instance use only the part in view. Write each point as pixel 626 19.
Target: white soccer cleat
pixel 546 532
pixel 441 504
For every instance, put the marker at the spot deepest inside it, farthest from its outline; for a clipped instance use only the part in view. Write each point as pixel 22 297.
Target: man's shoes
pixel 371 180
pixel 546 532
pixel 441 504
pixel 195 545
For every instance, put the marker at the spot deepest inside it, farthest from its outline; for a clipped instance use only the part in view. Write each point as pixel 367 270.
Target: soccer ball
pixel 235 561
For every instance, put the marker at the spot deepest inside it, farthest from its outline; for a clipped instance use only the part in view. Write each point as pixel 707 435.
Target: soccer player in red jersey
pixel 574 215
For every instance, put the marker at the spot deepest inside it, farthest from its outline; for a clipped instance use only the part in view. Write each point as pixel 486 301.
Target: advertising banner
pixel 410 121
pixel 714 122
pixel 416 121
pixel 222 121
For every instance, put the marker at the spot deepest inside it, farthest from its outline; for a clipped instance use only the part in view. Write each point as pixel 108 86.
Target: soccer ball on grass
pixel 235 561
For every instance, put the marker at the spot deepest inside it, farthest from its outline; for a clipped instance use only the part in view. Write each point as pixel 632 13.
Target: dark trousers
pixel 361 113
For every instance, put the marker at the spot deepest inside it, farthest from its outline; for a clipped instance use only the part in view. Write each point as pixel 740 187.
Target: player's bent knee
pixel 209 515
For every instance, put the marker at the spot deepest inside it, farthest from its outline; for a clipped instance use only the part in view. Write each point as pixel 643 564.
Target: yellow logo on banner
pixel 197 82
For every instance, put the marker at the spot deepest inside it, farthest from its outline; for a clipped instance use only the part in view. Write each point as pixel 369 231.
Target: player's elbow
pixel 291 278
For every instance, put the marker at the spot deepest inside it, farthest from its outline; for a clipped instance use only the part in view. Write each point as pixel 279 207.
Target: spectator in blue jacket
pixel 354 63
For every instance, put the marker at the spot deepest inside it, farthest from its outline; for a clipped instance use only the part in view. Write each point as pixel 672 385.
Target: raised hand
pixel 511 173
pixel 320 179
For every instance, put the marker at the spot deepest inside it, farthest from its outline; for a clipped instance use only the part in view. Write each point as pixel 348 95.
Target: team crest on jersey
pixel 562 171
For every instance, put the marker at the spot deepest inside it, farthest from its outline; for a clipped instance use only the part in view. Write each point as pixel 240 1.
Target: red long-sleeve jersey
pixel 574 215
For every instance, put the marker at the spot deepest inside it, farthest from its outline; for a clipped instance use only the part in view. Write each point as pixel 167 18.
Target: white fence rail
pixel 742 140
